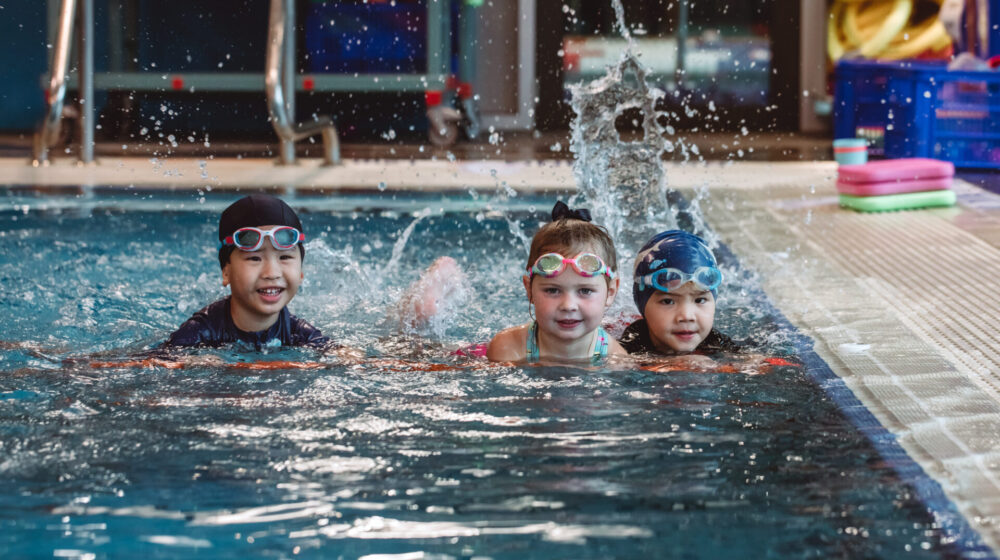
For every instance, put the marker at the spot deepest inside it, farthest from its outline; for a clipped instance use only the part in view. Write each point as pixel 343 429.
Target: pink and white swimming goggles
pixel 585 264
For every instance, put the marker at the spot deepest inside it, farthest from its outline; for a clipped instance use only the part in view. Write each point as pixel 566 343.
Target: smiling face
pixel 680 320
pixel 569 308
pixel 263 282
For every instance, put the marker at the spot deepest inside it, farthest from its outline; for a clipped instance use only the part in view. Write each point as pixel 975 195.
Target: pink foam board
pixel 905 169
pixel 880 188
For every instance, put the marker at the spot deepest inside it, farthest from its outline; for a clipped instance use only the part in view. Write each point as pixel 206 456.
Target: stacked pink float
pixel 896 184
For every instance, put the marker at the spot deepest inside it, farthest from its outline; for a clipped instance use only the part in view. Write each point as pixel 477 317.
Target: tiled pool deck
pixel 904 307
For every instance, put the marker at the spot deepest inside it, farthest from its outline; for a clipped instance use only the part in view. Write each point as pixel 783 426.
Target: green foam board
pixel 906 201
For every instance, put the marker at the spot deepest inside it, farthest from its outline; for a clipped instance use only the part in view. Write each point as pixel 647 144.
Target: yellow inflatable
pixel 882 29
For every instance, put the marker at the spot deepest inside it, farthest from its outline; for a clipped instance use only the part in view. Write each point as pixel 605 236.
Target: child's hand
pixel 348 353
pixel 139 363
pixel 404 366
pixel 205 360
pixel 688 362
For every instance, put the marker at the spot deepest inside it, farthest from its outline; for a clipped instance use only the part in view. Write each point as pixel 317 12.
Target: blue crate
pixel 920 109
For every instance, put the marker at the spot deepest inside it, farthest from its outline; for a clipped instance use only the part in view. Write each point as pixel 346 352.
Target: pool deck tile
pixel 367 175
pixel 903 306
pixel 308 176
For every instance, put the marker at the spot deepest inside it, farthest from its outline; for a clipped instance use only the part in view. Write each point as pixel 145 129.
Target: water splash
pixel 620 23
pixel 498 204
pixel 624 182
pixel 400 245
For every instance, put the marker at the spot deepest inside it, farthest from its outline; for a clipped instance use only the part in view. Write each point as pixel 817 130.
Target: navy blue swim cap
pixel 669 249
pixel 254 211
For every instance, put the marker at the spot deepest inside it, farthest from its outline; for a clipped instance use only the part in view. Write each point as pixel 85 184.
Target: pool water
pixel 382 460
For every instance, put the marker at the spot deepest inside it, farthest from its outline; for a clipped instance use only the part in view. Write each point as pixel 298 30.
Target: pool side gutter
pixel 902 306
pixel 308 177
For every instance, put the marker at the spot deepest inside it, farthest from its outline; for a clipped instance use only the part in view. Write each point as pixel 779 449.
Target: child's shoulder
pixel 615 348
pixel 635 338
pixel 206 326
pixel 214 311
pixel 303 333
pixel 509 345
pixel 718 342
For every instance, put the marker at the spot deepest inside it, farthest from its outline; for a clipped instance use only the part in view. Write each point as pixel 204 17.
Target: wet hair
pixel 571 233
pixel 255 210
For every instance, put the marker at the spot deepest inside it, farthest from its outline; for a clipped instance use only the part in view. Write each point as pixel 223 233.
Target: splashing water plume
pixel 620 22
pixel 624 182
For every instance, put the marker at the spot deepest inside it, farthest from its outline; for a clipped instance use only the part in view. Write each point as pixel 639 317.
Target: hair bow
pixel 562 212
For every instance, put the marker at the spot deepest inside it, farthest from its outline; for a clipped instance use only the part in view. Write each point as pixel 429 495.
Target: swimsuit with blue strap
pixel 598 349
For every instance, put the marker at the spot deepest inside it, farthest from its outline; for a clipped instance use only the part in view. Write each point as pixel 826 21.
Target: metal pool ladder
pixel 278 78
pixel 48 134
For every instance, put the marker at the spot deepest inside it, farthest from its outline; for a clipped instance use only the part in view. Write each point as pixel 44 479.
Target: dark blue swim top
pixel 213 326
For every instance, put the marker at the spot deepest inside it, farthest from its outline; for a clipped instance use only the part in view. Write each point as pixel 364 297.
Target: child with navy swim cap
pixel 261 252
pixel 676 282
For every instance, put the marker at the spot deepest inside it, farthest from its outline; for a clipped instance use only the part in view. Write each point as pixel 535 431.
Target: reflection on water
pixel 471 460
pixel 494 461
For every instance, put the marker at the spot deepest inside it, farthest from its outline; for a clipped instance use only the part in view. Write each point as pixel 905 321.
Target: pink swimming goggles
pixel 585 264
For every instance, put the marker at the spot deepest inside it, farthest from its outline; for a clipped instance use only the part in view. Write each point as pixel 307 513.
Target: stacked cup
pixel 850 151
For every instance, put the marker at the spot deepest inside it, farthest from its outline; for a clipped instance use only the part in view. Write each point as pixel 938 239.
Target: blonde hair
pixel 570 237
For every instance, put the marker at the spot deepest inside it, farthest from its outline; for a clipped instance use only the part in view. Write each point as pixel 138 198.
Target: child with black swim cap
pixel 261 252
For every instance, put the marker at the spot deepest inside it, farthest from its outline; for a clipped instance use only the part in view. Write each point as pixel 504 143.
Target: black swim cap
pixel 254 211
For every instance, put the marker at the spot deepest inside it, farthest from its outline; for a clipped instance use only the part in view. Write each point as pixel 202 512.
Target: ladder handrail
pixel 56 93
pixel 278 106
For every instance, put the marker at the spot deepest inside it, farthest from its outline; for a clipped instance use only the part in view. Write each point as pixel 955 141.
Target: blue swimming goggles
pixel 585 264
pixel 667 279
pixel 251 238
